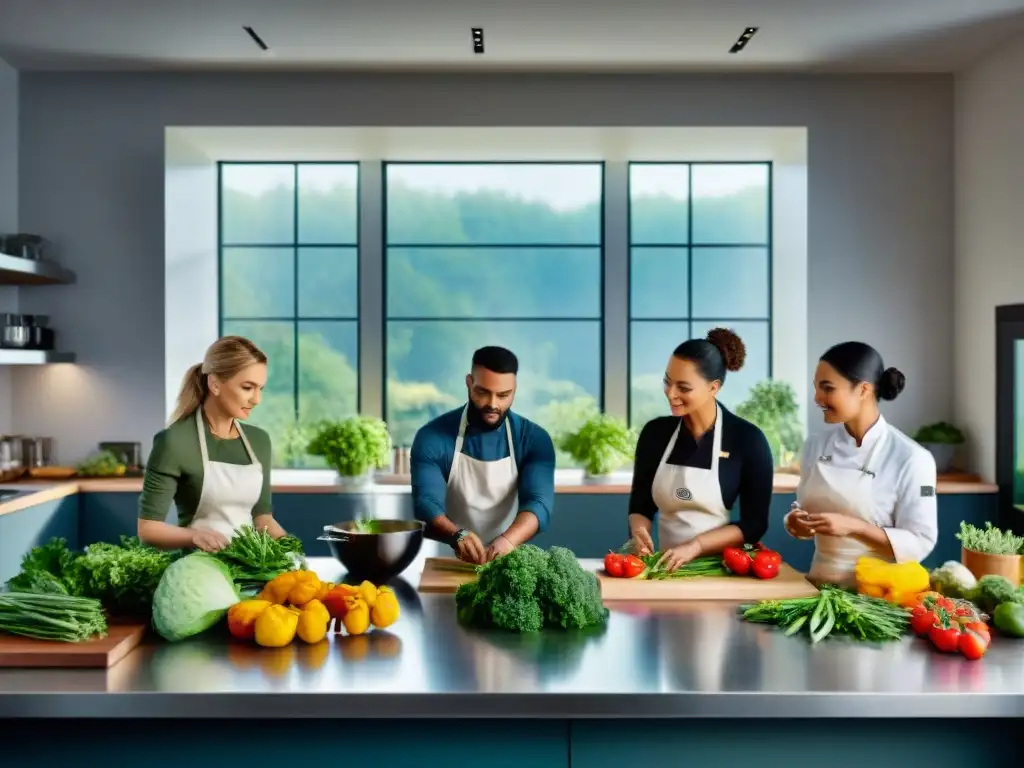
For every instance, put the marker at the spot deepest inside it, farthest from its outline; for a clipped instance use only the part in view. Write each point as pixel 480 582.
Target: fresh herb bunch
pixel 990 541
pixel 48 569
pixel 602 444
pixel 123 577
pixel 51 616
pixel 706 565
pixel 255 556
pixel 833 612
pixel 940 433
pixel 352 447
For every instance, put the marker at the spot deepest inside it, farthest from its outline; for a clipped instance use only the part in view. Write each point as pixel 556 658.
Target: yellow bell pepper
pixel 242 617
pixel 313 622
pixel 368 592
pixel 276 626
pixel 357 616
pixel 385 608
pixel 295 587
pixel 898 583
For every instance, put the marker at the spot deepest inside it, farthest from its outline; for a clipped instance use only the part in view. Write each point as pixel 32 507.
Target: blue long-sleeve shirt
pixel 433 449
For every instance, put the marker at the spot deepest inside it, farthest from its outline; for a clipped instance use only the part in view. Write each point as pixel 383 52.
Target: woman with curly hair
pixel 692 466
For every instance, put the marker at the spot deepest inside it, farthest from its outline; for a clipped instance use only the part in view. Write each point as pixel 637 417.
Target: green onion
pixel 51 616
pixel 833 612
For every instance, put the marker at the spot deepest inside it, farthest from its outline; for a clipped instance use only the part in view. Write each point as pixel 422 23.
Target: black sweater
pixel 747 474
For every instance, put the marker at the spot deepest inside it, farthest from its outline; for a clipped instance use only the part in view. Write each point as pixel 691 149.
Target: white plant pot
pixel 364 480
pixel 943 453
pixel 589 479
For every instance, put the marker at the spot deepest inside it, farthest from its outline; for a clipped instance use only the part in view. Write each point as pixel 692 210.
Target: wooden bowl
pixel 1007 566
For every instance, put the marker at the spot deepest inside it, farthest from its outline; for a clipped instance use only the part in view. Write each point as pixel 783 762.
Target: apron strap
pixel 202 437
pixel 245 442
pixel 460 438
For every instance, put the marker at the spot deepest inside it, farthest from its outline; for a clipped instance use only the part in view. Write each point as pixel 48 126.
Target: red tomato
pixel 946 640
pixel 736 560
pixel 770 554
pixel 613 564
pixel 922 623
pixel 632 566
pixel 764 567
pixel 946 604
pixel 971 645
pixel 964 610
pixel 919 609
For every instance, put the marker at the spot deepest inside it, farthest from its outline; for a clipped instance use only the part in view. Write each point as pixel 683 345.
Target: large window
pixel 507 254
pixel 700 257
pixel 289 268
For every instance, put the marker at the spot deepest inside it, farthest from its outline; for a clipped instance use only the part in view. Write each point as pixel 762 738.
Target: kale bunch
pixel 530 589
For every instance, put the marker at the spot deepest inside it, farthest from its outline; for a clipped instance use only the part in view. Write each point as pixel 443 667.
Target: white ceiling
pixel 520 35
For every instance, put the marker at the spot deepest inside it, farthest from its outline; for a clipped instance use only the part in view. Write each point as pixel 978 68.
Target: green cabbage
pixel 193 594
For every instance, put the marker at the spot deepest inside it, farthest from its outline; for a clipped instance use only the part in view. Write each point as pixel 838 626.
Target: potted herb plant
pixel 941 439
pixel 353 447
pixel 991 551
pixel 602 444
pixel 772 406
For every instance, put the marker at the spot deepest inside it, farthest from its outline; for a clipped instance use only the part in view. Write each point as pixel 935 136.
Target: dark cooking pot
pixel 375 550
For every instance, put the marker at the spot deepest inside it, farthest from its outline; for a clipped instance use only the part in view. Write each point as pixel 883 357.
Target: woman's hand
pixel 834 524
pixel 673 558
pixel 641 543
pixel 796 525
pixel 208 541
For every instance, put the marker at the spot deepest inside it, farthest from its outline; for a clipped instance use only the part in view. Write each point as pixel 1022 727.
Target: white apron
pixel 482 496
pixel 230 491
pixel 689 500
pixel 843 491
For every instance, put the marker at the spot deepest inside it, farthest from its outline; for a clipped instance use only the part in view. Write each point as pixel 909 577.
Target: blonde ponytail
pixel 225 358
pixel 192 393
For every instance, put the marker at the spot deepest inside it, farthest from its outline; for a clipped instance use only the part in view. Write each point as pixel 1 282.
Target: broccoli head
pixel 993 590
pixel 529 589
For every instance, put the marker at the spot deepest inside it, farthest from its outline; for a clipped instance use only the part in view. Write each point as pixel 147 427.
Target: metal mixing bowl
pixel 378 556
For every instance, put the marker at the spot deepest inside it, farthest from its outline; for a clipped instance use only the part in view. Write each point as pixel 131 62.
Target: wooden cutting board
pixel 105 652
pixel 435 579
pixel 789 583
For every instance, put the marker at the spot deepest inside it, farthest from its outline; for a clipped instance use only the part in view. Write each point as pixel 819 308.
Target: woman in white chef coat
pixel 692 467
pixel 866 489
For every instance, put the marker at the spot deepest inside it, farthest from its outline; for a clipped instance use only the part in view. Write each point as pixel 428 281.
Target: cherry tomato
pixel 764 567
pixel 971 645
pixel 613 564
pixel 632 566
pixel 946 640
pixel 946 604
pixel 922 623
pixel 736 560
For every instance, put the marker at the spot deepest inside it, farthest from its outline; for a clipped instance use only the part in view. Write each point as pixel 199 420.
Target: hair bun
pixel 734 351
pixel 891 384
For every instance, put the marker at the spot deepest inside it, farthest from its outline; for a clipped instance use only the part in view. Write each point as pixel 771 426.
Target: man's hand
pixel 470 549
pixel 208 541
pixel 500 546
pixel 834 524
pixel 681 555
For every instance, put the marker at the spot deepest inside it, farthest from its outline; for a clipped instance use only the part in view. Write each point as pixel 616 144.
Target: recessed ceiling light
pixel 256 38
pixel 478 39
pixel 741 43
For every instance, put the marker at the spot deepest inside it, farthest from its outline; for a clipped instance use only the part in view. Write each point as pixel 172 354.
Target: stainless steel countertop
pixel 676 660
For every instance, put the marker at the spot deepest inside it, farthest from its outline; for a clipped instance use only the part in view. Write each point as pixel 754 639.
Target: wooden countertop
pixel 293 481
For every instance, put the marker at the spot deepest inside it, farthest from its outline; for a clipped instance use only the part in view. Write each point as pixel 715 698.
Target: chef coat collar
pixel 872 436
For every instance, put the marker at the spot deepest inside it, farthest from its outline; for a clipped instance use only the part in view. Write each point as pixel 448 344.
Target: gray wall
pixel 92 172
pixel 8 209
pixel 989 261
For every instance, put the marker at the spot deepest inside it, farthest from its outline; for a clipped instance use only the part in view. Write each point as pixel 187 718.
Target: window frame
pixel 689 247
pixel 600 246
pixel 296 246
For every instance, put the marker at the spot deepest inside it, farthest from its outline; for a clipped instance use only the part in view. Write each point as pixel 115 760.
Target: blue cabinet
pixel 27 528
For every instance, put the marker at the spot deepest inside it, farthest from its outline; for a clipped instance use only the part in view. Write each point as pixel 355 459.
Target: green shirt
pixel 174 471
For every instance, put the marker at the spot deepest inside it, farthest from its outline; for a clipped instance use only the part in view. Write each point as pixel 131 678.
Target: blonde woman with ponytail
pixel 215 472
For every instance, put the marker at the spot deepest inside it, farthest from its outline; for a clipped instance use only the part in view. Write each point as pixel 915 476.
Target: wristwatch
pixel 457 537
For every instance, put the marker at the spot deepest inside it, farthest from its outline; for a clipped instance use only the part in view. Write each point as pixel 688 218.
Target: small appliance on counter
pixel 26 332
